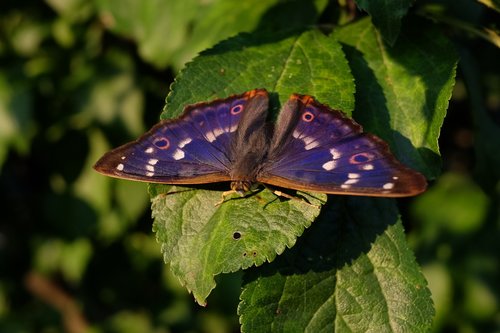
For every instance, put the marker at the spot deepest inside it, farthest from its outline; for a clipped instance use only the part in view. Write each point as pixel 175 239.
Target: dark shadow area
pixel 345 229
pixel 406 48
pixel 284 20
pixel 371 111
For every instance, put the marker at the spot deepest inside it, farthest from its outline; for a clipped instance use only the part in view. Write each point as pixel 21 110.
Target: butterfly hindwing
pixel 319 149
pixel 192 149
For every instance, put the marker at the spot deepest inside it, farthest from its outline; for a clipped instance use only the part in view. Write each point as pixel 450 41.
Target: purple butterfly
pixel 311 148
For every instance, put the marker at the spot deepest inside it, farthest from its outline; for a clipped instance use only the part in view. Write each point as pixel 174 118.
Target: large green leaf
pixel 402 92
pixel 354 272
pixel 351 272
pixel 386 15
pixel 201 240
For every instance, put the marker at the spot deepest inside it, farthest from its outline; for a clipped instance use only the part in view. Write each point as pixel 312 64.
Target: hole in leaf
pixel 236 235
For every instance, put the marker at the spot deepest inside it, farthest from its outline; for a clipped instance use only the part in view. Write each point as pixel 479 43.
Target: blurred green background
pixel 77 253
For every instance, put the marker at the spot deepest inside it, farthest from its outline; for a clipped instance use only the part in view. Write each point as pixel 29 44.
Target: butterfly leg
pixel 279 193
pixel 223 197
pixel 251 190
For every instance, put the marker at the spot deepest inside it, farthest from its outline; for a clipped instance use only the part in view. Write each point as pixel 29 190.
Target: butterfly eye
pixel 236 109
pixel 360 158
pixel 162 143
pixel 307 116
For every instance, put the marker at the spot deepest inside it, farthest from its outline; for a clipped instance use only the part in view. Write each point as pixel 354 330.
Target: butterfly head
pixel 241 186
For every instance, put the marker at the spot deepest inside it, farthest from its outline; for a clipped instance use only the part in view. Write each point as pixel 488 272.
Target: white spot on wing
pixel 311 145
pixel 123 157
pixel 395 177
pixel 178 155
pixel 119 167
pixel 330 165
pixel 153 161
pixel 345 186
pixel 367 166
pixel 309 142
pixel 218 132
pixel 335 153
pixel 149 150
pixel 185 142
pixel 233 128
pixel 150 174
pixel 353 178
pixel 210 136
pixel 388 186
pixel 150 168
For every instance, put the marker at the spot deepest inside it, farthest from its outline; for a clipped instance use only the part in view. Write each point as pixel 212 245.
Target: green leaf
pixel 386 15
pixel 402 92
pixel 296 62
pixel 197 237
pixel 201 240
pixel 351 272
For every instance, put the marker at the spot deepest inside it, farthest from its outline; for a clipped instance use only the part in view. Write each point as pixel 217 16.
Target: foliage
pixel 79 77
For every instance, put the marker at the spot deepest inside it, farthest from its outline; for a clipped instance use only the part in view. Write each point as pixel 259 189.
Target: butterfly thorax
pixel 248 156
pixel 245 170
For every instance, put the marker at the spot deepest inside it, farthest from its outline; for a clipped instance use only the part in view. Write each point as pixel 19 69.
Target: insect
pixel 311 147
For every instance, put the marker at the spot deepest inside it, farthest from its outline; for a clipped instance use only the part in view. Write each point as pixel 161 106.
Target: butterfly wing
pixel 319 149
pixel 192 149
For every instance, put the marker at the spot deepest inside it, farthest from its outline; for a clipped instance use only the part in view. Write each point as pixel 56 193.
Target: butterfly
pixel 311 147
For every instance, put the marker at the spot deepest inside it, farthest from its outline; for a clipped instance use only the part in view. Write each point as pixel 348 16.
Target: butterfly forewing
pixel 327 152
pixel 191 149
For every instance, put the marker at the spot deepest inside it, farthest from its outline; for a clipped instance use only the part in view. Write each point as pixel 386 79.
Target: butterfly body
pixel 311 147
